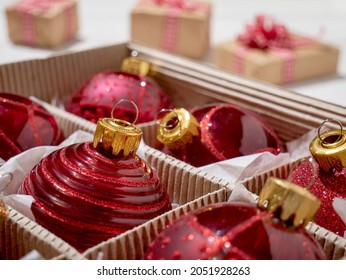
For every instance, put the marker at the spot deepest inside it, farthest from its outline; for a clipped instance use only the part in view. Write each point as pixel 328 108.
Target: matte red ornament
pixel 25 124
pixel 326 186
pixel 87 193
pixel 219 131
pixel 95 99
pixel 242 231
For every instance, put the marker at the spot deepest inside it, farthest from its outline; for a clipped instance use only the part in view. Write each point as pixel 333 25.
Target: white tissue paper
pixel 238 169
pixel 33 255
pixel 339 205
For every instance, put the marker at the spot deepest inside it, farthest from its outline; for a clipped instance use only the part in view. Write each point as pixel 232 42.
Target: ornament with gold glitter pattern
pixel 241 231
pixel 87 193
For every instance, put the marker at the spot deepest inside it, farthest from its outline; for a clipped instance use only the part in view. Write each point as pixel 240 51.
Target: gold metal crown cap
pixel 295 203
pixel 329 149
pixel 117 135
pixel 136 66
pixel 3 212
pixel 177 128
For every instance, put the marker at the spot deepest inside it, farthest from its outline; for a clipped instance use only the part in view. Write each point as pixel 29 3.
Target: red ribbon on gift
pixel 175 7
pixel 28 8
pixel 267 35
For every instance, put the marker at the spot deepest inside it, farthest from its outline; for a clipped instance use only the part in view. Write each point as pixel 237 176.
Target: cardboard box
pixel 46 24
pixel 19 236
pixel 280 66
pixel 172 28
pixel 188 84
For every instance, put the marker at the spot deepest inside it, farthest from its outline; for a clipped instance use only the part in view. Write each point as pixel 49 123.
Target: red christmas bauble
pixel 232 231
pixel 86 195
pixel 96 98
pixel 25 124
pixel 326 186
pixel 226 131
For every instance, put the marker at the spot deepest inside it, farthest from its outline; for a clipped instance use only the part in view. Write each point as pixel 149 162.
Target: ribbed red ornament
pixel 86 195
pixel 233 231
pixel 25 124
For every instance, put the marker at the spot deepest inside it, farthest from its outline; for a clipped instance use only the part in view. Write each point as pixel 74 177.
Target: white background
pixel 104 22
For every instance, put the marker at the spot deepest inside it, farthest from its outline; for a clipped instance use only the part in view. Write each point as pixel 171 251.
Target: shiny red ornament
pixel 326 186
pixel 95 99
pixel 86 195
pixel 225 131
pixel 25 124
pixel 233 231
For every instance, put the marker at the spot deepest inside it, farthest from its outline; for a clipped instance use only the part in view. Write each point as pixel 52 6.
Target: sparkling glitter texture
pixel 326 186
pixel 232 231
pixel 86 195
pixel 227 131
pixel 96 98
pixel 25 124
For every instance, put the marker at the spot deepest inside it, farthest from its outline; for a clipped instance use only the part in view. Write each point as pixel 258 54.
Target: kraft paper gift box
pixel 268 51
pixel 42 23
pixel 179 26
pixel 278 66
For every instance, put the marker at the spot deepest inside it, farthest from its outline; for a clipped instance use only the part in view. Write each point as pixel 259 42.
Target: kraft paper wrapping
pixel 193 28
pixel 309 61
pixel 50 28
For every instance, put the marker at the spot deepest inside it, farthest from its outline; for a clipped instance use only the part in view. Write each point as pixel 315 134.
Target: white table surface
pixel 104 22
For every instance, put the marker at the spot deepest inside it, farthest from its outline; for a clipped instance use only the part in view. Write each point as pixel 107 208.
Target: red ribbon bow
pixel 179 4
pixel 31 6
pixel 265 33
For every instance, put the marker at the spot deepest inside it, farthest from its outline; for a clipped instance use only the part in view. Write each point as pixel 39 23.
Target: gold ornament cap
pixel 329 149
pixel 294 203
pixel 3 212
pixel 136 66
pixel 177 128
pixel 118 135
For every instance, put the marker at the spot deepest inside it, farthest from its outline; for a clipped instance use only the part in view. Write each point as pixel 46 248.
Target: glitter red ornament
pixel 327 173
pixel 25 124
pixel 215 132
pixel 87 193
pixel 242 231
pixel 94 99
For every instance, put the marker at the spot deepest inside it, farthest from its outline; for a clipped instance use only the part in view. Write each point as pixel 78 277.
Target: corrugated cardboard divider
pixel 20 235
pixel 59 76
pixel 333 245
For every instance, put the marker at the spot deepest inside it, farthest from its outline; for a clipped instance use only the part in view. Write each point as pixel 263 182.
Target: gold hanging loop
pixel 118 135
